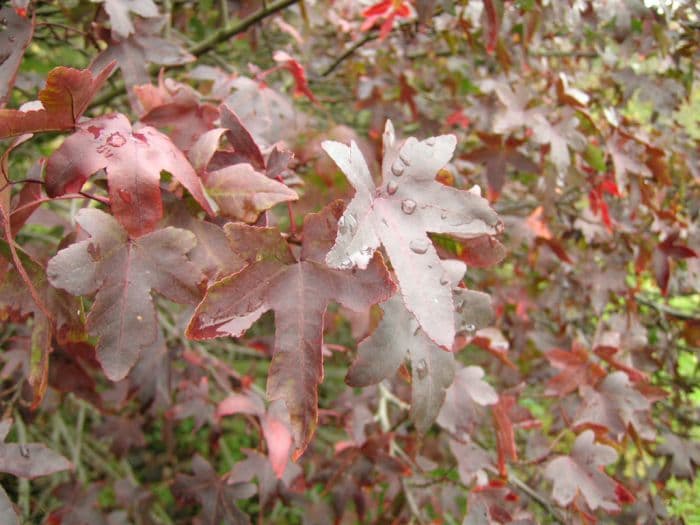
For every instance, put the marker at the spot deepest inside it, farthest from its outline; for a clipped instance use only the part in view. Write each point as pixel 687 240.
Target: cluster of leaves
pixel 152 220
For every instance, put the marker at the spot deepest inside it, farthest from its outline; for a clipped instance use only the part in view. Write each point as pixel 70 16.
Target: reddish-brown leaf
pixel 299 292
pixel 133 158
pixel 31 460
pixel 577 370
pixel 66 96
pixel 581 473
pixel 123 272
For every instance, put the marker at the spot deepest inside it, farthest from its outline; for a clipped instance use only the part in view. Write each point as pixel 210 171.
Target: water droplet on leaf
pixel 470 329
pixel 346 264
pixel 392 187
pixel 419 246
pixel 408 206
pixel 421 369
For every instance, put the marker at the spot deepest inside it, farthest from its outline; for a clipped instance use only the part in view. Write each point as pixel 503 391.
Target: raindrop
pixel 470 329
pixel 139 318
pixel 345 264
pixel 444 279
pixel 430 141
pixel 397 168
pixel 421 369
pixel 419 246
pixel 404 158
pixel 23 450
pixel 347 224
pixel 392 187
pixel 352 223
pixel 443 215
pixel 11 38
pixel 460 306
pixel 408 206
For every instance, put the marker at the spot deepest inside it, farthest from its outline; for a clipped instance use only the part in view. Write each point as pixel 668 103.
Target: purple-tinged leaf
pixel 398 215
pixel 298 292
pixel 16 35
pixel 123 272
pixel 581 473
pixel 133 158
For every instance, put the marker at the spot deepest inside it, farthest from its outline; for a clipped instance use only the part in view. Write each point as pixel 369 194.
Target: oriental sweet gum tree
pixel 314 261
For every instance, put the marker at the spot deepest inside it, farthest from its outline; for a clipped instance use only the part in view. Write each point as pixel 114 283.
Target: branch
pixel 239 27
pixel 348 52
pixel 662 308
pixel 207 44
pixel 535 496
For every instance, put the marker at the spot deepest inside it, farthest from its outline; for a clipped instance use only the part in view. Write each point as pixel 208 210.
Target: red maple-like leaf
pixel 297 70
pixel 389 10
pixel 298 290
pixel 236 183
pixel 274 423
pixel 217 497
pixel 577 370
pixel 398 336
pixel 123 271
pixel 177 108
pixel 408 204
pixel 615 405
pixel 133 159
pixel 581 473
pixel 463 409
pixel 66 96
pixel 141 47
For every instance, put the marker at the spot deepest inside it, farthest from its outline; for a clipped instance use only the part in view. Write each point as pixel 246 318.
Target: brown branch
pixel 230 30
pixel 7 230
pixel 207 44
pixel 348 53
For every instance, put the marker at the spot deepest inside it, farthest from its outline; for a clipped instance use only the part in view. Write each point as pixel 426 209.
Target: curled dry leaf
pixel 66 96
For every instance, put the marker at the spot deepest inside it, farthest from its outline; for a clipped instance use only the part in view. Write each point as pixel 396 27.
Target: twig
pixel 230 30
pixel 535 496
pixel 564 54
pixel 666 309
pixel 348 52
pixel 207 44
